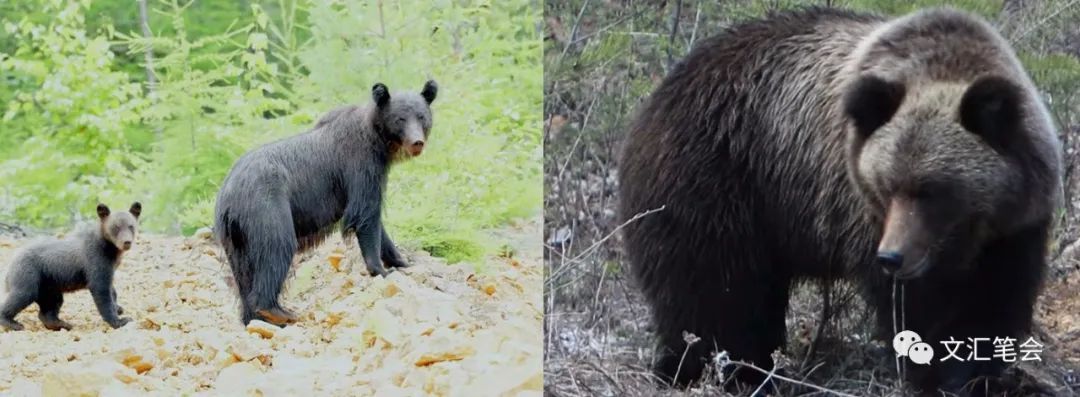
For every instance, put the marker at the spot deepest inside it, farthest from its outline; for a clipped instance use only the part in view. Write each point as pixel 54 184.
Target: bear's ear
pixel 430 90
pixel 871 102
pixel 102 211
pixel 380 94
pixel 991 108
pixel 135 209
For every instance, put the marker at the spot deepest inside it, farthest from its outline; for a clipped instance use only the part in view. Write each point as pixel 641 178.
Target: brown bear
pixel 822 144
pixel 48 269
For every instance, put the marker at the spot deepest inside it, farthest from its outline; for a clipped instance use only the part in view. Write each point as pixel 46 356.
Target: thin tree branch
pixel 148 55
pixel 674 32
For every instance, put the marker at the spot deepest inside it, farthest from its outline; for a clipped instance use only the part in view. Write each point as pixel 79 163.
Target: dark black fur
pixel 872 102
pixel 745 144
pixel 286 196
pixel 47 270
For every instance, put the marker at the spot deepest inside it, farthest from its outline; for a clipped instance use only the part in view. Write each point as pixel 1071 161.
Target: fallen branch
pixel 723 362
pixel 555 275
pixel 12 229
pixel 613 232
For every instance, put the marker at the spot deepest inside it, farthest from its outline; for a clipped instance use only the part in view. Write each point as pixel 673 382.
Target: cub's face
pixel 404 120
pixel 120 228
pixel 932 163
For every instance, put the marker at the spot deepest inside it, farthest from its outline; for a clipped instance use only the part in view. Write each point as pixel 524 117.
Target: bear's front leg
pixel 369 237
pixel 100 286
pixel 363 215
pixel 993 299
pixel 116 302
pixel 390 255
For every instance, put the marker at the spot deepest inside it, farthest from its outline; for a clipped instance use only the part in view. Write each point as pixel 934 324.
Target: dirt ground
pixel 433 328
pixel 601 345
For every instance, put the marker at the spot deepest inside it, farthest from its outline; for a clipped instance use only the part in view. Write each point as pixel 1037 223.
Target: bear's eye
pixel 422 118
pixel 401 119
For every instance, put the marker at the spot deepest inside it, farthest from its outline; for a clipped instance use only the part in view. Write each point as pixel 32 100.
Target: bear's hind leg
pixel 242 276
pixel 49 304
pixel 260 248
pixel 266 289
pixel 24 285
pixel 15 303
pixel 17 300
pixel 259 288
pixel 274 260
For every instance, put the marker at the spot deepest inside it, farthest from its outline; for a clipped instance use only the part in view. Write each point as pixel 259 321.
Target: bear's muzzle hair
pixel 413 141
pixel 903 249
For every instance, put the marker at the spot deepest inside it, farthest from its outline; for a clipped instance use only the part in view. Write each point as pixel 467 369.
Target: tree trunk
pixel 151 79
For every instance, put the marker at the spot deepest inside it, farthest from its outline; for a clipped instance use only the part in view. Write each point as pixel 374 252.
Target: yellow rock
pixel 245 349
pixel 81 379
pixel 140 366
pixel 391 290
pixel 455 354
pixel 151 321
pixel 333 319
pixel 335 261
pixel 262 328
pixel 135 361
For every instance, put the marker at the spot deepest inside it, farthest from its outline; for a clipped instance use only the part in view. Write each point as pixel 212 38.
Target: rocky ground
pixel 433 328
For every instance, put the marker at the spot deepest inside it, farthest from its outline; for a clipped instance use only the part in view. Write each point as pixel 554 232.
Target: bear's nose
pixel 416 148
pixel 127 245
pixel 890 260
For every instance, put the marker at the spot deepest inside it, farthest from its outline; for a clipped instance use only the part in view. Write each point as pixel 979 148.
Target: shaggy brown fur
pixel 809 145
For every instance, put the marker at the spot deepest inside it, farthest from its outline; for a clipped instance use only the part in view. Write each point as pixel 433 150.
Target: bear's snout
pixel 890 260
pixel 905 242
pixel 416 147
pixel 127 245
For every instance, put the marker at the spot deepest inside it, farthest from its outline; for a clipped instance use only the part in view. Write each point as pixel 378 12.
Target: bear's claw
pixel 277 316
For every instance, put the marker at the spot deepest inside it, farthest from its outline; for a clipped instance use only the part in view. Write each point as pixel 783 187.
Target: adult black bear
pixel 46 270
pixel 286 196
pixel 814 144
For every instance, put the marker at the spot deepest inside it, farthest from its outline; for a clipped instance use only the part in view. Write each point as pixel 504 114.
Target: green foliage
pixel 986 8
pixel 1059 76
pixel 70 117
pixel 83 127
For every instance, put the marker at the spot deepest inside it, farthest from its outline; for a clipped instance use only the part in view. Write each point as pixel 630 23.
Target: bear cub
pixel 46 270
